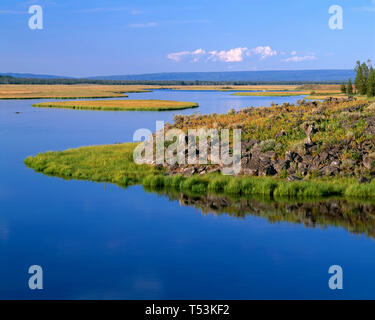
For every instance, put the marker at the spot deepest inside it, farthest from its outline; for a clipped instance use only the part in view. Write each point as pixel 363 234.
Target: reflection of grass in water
pixel 354 216
pixel 274 199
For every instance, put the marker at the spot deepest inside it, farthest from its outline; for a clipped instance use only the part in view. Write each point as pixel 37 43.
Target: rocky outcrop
pixel 351 156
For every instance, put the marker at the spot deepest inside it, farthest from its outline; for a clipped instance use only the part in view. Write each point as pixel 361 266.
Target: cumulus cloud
pixel 229 56
pixel 263 52
pixel 295 58
pixel 178 56
pixel 232 55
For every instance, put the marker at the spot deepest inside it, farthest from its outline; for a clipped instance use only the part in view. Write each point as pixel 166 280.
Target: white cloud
pixel 144 25
pixel 178 56
pixel 263 52
pixel 293 53
pixel 228 56
pixel 232 55
pixel 299 59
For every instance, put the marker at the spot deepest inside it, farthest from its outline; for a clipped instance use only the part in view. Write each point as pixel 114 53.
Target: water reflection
pixel 356 217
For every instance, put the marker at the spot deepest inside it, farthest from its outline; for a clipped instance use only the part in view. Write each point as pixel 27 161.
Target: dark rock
pixel 281 165
pixel 293 178
pixel 335 163
pixel 330 171
pixel 189 171
pixel 266 170
pixel 364 180
pixel 213 169
pixel 323 156
pixel 368 162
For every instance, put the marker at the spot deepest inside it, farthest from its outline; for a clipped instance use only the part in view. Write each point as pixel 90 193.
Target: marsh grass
pixel 66 91
pixel 114 164
pixel 271 94
pixel 119 105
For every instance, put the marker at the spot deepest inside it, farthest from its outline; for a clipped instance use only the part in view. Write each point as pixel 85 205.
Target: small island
pixel 119 105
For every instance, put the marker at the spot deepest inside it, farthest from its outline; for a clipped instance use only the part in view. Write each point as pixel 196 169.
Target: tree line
pixel 364 83
pixel 13 80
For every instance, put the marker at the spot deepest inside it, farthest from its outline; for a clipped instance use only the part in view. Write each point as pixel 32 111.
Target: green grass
pixel 114 164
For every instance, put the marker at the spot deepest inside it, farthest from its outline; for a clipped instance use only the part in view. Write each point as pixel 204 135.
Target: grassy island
pixel 114 164
pixel 120 105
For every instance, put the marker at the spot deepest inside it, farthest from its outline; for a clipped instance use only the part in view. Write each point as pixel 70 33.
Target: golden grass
pixel 271 94
pixel 311 91
pixel 231 87
pixel 322 95
pixel 10 91
pixel 120 105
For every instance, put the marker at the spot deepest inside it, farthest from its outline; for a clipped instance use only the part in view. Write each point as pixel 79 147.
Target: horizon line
pixel 166 72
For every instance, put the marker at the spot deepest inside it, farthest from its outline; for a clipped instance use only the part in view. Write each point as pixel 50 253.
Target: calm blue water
pixel 100 241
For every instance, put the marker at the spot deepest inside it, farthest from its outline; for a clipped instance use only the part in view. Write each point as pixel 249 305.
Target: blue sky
pixel 97 37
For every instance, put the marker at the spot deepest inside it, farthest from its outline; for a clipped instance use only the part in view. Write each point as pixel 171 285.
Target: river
pixel 99 241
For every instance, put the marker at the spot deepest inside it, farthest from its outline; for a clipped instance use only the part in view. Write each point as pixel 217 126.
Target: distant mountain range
pixel 287 75
pixel 32 75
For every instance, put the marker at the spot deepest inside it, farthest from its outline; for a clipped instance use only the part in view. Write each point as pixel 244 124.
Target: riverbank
pixel 114 164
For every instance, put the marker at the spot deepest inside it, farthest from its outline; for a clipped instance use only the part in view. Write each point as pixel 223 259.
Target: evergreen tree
pixel 343 87
pixel 371 83
pixel 349 89
pixel 361 77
